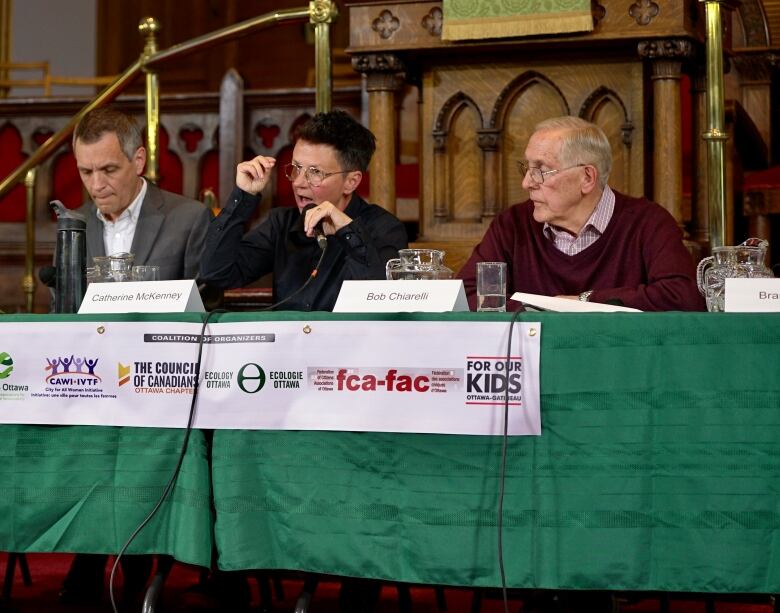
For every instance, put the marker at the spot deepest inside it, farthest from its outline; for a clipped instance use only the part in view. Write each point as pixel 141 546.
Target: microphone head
pixel 322 240
pixel 48 275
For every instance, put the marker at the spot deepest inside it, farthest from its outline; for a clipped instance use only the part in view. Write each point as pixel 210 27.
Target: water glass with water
pixel 491 286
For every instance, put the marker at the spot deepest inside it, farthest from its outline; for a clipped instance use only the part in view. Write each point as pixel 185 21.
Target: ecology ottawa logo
pixel 251 378
pixel 6 365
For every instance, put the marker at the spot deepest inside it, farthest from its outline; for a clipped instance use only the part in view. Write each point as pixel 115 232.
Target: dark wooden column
pixel 384 78
pixel 666 57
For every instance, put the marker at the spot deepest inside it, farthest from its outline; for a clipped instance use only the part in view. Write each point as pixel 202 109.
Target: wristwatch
pixel 585 296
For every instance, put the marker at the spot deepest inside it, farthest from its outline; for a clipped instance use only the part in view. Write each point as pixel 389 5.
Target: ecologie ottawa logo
pixel 251 378
pixel 6 365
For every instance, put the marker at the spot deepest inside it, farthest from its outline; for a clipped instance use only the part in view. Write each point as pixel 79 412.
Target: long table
pixel 85 489
pixel 658 468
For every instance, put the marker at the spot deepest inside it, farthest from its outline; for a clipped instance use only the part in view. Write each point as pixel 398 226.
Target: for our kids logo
pixel 6 365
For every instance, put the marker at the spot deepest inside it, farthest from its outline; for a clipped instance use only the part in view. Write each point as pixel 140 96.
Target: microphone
pixel 322 240
pixel 48 275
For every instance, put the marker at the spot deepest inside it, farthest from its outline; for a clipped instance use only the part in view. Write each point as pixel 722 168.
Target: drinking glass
pixel 491 286
pixel 146 273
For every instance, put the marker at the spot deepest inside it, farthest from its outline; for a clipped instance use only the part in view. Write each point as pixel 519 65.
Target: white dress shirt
pixel 118 235
pixel 592 230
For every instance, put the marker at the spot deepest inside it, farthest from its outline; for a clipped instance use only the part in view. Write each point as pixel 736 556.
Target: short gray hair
pixel 582 142
pixel 108 120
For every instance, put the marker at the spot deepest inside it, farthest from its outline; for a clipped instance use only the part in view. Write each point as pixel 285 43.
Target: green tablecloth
pixel 85 489
pixel 658 469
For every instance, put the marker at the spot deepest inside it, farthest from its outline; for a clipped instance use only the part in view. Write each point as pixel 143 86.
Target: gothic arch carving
pixel 450 136
pixel 753 17
pixel 605 108
pixel 449 110
pixel 514 88
pixel 594 101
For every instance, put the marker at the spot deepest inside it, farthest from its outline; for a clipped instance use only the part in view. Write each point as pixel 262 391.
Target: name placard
pixel 143 297
pixel 752 295
pixel 401 296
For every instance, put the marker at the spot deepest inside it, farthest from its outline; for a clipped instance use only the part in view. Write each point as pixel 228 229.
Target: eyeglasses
pixel 313 175
pixel 537 174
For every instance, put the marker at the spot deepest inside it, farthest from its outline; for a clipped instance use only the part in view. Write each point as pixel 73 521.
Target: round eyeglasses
pixel 314 176
pixel 537 174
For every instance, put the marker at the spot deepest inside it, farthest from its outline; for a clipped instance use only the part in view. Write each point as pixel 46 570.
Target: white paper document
pixel 566 305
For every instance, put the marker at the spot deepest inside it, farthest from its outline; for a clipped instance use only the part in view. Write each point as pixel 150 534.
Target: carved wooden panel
pixel 496 105
pixel 416 25
pixel 464 164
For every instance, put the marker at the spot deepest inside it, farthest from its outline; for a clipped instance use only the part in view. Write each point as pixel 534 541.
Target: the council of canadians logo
pixel 6 365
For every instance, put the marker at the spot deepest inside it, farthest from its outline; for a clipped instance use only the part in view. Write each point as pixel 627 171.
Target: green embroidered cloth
pixel 475 19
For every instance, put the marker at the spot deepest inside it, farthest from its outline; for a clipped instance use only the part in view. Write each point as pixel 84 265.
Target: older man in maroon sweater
pixel 577 238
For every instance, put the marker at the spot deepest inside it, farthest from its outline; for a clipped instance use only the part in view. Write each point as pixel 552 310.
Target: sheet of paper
pixel 565 305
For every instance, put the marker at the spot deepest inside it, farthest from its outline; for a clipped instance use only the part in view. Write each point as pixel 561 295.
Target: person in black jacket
pixel 329 159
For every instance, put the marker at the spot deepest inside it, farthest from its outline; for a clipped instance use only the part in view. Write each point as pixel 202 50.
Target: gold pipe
pixel 322 14
pixel 226 34
pixel 5 41
pixel 56 139
pixel 28 281
pixel 716 134
pixel 149 28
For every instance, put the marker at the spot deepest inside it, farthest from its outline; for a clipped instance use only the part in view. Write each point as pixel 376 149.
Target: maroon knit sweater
pixel 639 261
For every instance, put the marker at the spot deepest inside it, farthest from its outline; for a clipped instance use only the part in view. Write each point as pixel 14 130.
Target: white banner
pixel 380 376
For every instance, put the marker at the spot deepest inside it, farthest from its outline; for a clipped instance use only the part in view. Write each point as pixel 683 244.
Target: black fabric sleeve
pixel 230 258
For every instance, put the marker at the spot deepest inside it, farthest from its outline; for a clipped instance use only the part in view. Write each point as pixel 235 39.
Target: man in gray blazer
pixel 128 214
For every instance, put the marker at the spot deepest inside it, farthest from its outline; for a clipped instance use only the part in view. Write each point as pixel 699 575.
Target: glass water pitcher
pixel 728 262
pixel 416 264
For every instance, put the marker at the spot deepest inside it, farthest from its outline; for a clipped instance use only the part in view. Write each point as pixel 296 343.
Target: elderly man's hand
pixel 253 175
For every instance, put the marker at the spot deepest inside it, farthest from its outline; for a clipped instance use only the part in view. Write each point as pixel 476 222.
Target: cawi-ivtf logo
pixel 71 370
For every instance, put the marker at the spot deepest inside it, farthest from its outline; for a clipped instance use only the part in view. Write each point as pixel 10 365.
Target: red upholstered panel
pixel 284 193
pixel 170 168
pixel 209 173
pixel 12 205
pixel 407 181
pixel 687 137
pixel 763 179
pixel 66 183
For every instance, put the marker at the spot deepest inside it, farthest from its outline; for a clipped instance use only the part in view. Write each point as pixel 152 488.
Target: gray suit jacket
pixel 169 234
